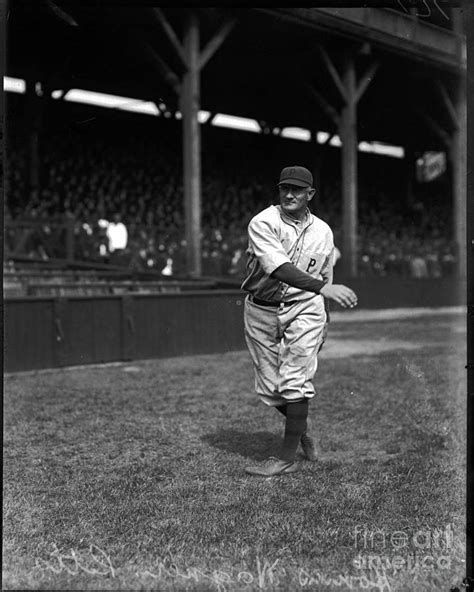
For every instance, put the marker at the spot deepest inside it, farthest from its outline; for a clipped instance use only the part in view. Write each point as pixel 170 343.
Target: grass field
pixel 131 476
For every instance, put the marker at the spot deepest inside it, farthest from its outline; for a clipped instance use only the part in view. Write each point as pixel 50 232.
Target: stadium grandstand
pixel 163 129
pixel 122 163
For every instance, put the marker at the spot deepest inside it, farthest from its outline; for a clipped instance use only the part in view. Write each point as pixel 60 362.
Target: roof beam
pixel 436 48
pixel 214 44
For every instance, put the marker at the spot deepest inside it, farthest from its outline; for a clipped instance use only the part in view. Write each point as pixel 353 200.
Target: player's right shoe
pixel 272 467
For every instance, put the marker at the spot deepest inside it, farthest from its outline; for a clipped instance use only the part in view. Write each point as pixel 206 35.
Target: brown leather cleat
pixel 272 467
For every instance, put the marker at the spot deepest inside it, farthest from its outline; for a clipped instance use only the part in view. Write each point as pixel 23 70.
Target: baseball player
pixel 289 276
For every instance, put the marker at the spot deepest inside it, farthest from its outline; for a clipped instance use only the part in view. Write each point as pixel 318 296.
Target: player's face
pixel 294 200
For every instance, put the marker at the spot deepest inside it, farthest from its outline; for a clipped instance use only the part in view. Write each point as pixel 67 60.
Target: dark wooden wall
pixel 54 332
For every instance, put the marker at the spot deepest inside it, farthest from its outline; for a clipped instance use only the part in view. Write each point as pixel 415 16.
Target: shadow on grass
pixel 256 445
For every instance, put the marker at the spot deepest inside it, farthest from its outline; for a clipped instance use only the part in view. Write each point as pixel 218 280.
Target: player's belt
pixel 268 302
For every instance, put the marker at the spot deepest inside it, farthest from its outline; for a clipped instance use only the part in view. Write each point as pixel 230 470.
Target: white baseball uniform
pixel 284 324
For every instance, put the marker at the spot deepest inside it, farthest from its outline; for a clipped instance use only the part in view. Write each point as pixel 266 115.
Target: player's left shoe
pixel 272 467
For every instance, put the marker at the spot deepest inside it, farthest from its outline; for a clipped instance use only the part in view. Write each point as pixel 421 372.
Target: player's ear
pixel 311 192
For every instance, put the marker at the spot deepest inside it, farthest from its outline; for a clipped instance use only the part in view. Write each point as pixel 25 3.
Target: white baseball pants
pixel 283 343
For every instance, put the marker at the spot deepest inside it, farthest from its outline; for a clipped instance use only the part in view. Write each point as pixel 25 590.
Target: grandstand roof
pixel 258 72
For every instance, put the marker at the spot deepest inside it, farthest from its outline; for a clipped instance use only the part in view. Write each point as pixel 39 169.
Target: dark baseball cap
pixel 296 175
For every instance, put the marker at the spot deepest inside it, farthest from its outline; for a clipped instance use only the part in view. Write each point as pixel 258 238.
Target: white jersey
pixel 274 239
pixel 117 235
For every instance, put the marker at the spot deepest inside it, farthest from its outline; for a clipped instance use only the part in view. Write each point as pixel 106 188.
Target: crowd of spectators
pixel 133 174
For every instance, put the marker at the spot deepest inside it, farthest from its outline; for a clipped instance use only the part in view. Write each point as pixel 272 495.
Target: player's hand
pixel 341 294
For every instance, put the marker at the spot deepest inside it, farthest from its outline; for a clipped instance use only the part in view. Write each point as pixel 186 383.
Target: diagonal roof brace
pixel 435 127
pixel 208 51
pixel 168 29
pixel 214 44
pixel 331 68
pixel 447 103
pixel 60 13
pixel 330 111
pixel 170 77
pixel 365 80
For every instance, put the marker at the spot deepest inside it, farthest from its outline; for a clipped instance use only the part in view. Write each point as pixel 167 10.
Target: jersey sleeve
pixel 266 245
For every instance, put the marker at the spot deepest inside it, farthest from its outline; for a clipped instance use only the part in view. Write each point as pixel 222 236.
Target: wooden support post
pixel 317 169
pixel 350 92
pixel 456 145
pixel 458 159
pixel 188 91
pixel 348 135
pixel 458 28
pixel 69 226
pixel 34 161
pixel 35 119
pixel 190 103
pixel 410 175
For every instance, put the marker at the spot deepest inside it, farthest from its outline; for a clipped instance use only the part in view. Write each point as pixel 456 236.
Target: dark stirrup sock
pixel 296 416
pixel 282 409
